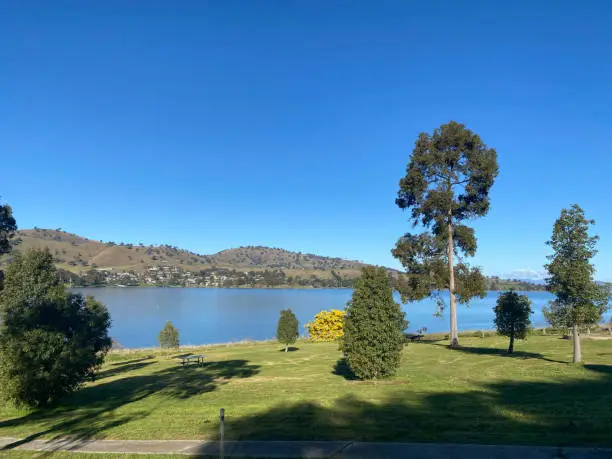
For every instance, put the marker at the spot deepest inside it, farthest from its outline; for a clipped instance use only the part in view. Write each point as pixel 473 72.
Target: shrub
pixel 512 316
pixel 51 341
pixel 287 329
pixel 373 327
pixel 327 326
pixel 169 337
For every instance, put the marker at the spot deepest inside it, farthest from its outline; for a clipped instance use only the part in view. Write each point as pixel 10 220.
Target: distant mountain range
pixel 91 262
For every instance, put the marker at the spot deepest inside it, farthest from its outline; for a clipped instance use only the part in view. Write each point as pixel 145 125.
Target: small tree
pixel 447 182
pixel 51 341
pixel 373 327
pixel 287 329
pixel 579 300
pixel 326 326
pixel 8 226
pixel 512 316
pixel 169 337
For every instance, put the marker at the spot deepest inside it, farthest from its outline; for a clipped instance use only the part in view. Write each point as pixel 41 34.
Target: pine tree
pixel 169 337
pixel 512 316
pixel 51 341
pixel 287 330
pixel 8 226
pixel 579 300
pixel 373 327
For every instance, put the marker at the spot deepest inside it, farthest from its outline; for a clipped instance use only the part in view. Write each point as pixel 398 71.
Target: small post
pixel 221 430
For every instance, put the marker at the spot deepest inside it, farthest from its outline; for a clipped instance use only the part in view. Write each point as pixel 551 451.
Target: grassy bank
pixel 474 394
pixel 69 455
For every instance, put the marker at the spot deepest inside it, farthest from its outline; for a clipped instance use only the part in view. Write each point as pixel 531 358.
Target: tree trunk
pixel 577 350
pixel 511 347
pixel 454 336
pixel 286 348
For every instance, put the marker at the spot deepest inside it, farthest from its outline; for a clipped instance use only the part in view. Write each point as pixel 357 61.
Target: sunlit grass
pixel 475 394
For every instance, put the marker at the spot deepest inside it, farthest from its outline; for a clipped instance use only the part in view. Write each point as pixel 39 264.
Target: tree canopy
pixel 51 341
pixel 579 301
pixel 512 319
pixel 8 226
pixel 287 330
pixel 169 336
pixel 373 327
pixel 447 181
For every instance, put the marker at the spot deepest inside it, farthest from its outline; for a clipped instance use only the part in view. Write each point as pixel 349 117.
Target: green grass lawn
pixel 476 394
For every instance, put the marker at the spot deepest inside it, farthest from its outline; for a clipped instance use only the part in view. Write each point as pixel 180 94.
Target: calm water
pixel 206 316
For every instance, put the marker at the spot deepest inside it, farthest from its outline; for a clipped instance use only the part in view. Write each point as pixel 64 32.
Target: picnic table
pixel 197 359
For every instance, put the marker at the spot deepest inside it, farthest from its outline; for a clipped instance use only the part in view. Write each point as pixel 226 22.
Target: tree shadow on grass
pixel 114 371
pixel 500 352
pixel 341 368
pixel 126 362
pixel 90 412
pixel 289 349
pixel 574 412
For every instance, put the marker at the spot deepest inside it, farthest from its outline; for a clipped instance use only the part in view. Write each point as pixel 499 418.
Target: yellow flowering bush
pixel 326 326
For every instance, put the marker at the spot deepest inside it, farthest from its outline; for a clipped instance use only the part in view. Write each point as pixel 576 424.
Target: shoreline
pixel 599 335
pixel 280 287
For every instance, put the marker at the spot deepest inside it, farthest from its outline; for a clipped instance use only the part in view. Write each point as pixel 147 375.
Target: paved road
pixel 308 449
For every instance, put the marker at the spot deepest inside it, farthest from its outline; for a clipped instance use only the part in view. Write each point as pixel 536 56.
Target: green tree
pixel 373 327
pixel 512 316
pixel 579 300
pixel 8 226
pixel 287 330
pixel 447 181
pixel 169 337
pixel 51 341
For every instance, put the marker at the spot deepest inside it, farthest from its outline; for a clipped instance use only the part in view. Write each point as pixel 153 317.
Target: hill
pixel 247 266
pixel 85 261
pixel 74 253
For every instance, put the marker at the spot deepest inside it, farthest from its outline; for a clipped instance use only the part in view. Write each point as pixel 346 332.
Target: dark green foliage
pixel 373 327
pixel 169 337
pixel 51 341
pixel 579 300
pixel 287 330
pixel 447 181
pixel 512 316
pixel 8 226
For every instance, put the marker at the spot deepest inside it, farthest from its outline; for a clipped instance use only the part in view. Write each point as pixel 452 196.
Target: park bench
pixel 198 360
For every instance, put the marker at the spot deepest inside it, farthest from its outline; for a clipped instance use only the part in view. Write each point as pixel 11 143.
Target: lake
pixel 209 315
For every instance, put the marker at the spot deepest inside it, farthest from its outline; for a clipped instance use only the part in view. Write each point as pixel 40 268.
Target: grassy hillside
pixel 77 254
pixel 476 394
pixel 80 256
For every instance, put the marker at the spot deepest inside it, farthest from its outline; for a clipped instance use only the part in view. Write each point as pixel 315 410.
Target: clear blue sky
pixel 210 125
